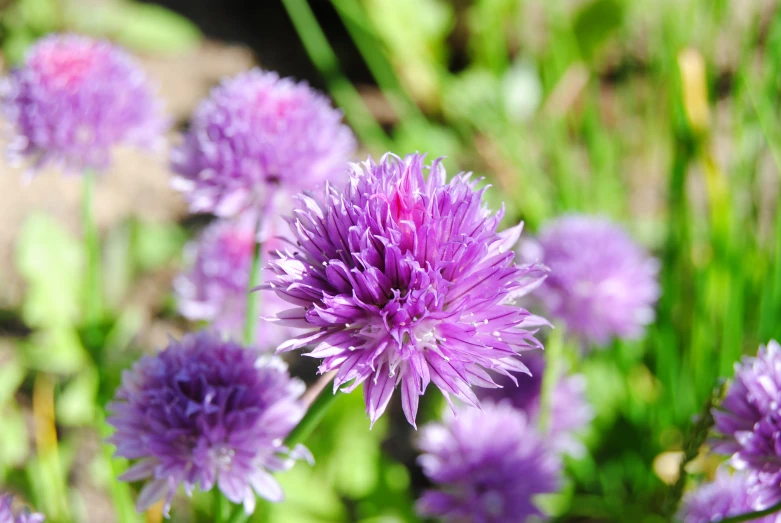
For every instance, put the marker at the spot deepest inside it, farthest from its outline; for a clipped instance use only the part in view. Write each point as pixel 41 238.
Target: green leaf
pixel 14 446
pixel 595 22
pixel 155 244
pixel 76 404
pixel 11 376
pixel 309 498
pixel 143 27
pixel 51 263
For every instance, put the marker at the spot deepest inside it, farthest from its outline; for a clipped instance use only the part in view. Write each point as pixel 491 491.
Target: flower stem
pixel 218 509
pixel 751 516
pixel 237 515
pixel 250 320
pixel 553 354
pixel 93 296
pixel 47 447
pixel 324 58
pixel 315 413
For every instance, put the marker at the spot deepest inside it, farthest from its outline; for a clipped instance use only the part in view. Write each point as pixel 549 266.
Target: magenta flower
pixel 214 288
pixel 728 495
pixel 601 283
pixel 74 99
pixel 206 412
pixel 23 516
pixel 257 140
pixel 487 466
pixel 403 280
pixel 748 421
pixel 570 410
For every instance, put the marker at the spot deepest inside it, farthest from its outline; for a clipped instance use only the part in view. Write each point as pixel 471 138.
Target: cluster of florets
pixel 728 495
pixel 206 412
pixel 215 285
pixel 487 466
pixel 602 285
pixel 403 280
pixel 74 99
pixel 257 140
pixel 748 422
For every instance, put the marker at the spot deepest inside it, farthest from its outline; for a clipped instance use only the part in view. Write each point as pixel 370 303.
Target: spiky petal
pixel 206 412
pixel 602 284
pixel 257 140
pixel 486 466
pixel 403 280
pixel 748 421
pixel 74 99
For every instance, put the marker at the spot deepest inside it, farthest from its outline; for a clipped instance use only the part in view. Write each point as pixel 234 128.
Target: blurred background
pixel 660 114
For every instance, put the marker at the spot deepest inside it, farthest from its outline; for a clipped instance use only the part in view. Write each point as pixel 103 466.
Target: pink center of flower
pixel 66 66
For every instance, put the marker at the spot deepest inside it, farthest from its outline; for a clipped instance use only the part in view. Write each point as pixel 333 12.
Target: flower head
pixel 74 99
pixel 748 421
pixel 202 412
pixel 728 495
pixel 405 281
pixel 24 516
pixel 255 135
pixel 601 283
pixel 487 466
pixel 570 411
pixel 214 288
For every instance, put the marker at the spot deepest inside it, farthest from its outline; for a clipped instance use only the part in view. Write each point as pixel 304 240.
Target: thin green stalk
pixel 219 508
pixel 363 34
pixel 343 92
pixel 253 298
pixel 314 415
pixel 553 354
pixel 751 516
pixel 237 515
pixel 93 293
pixel 119 491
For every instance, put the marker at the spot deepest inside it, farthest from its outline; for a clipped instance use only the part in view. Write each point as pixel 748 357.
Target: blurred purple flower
pixel 405 281
pixel 728 495
pixel 748 421
pixel 257 135
pixel 24 516
pixel 487 466
pixel 74 99
pixel 570 414
pixel 202 412
pixel 601 283
pixel 214 287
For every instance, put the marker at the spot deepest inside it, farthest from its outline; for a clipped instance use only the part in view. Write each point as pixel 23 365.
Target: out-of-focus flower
pixel 487 466
pixel 405 281
pixel 748 421
pixel 214 287
pixel 728 495
pixel 24 516
pixel 202 412
pixel 258 136
pixel 74 99
pixel 570 411
pixel 601 283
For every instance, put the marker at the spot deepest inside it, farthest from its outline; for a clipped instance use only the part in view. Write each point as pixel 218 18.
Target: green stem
pixel 250 319
pixel 314 415
pixel 237 515
pixel 93 297
pixel 553 354
pixel 751 516
pixel 343 92
pixel 120 492
pixel 218 509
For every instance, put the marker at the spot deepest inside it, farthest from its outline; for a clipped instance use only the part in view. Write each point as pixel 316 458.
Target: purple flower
pixel 748 421
pixel 488 465
pixel 74 99
pixel 570 412
pixel 405 281
pixel 728 495
pixel 24 516
pixel 214 288
pixel 202 412
pixel 255 136
pixel 601 283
